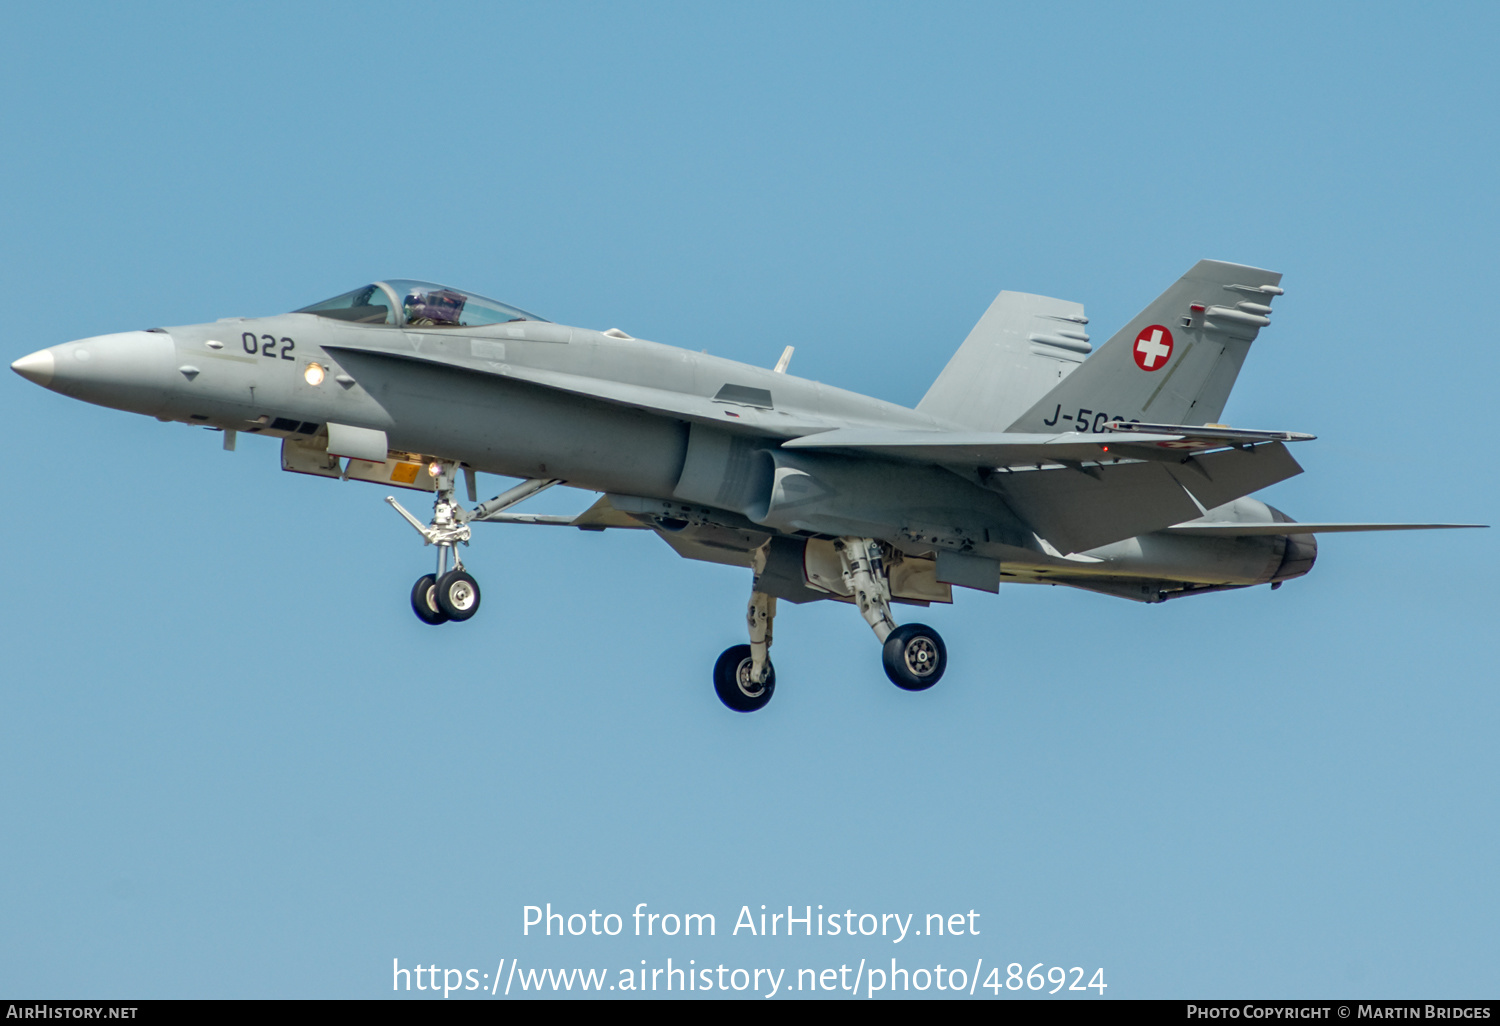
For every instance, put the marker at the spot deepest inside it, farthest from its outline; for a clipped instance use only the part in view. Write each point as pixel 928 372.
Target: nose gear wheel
pixel 424 601
pixel 458 595
pixel 451 593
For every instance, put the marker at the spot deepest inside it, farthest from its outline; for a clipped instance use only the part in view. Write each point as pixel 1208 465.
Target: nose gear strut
pixel 451 593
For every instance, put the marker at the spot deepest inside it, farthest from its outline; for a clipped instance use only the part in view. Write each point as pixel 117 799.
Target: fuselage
pixel 609 413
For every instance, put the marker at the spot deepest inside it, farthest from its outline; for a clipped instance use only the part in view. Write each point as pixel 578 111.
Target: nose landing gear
pixel 452 593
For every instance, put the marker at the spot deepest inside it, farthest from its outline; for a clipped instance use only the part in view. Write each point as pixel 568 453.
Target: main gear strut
pixel 865 576
pixel 744 678
pixel 914 655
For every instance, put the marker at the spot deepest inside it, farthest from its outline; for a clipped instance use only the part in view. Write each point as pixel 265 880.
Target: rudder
pixel 1174 363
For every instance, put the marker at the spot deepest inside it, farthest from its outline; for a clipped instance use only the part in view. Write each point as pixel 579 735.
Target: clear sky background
pixel 232 763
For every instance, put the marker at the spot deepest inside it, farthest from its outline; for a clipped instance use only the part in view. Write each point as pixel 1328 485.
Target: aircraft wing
pixel 1069 488
pixel 1005 449
pixel 727 413
pixel 1232 530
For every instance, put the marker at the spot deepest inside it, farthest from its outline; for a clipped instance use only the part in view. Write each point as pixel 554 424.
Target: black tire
pixel 915 657
pixel 424 601
pixel 458 595
pixel 731 675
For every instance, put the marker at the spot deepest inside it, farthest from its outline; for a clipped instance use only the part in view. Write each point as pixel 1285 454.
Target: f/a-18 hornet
pixel 1025 462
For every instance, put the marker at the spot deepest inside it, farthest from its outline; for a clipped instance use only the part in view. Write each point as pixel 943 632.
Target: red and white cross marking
pixel 1153 348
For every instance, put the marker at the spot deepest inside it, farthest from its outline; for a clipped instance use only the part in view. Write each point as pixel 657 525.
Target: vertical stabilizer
pixel 1174 363
pixel 1020 349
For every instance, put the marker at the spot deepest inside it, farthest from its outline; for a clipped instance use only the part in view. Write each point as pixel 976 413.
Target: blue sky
pixel 235 764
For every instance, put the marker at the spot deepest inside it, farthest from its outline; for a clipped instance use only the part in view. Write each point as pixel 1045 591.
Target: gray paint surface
pixel 1016 465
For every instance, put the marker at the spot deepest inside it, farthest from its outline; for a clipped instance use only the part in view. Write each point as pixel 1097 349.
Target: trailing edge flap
pixel 621 393
pixel 1018 352
pixel 1078 510
pixel 1002 449
pixel 1232 530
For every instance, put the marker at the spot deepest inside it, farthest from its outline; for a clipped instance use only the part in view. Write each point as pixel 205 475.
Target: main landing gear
pixel 452 593
pixel 744 678
pixel 914 655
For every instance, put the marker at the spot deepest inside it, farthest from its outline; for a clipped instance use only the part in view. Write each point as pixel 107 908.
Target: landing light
pixel 435 469
pixel 314 374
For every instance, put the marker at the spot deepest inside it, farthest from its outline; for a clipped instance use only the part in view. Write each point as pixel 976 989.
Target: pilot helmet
pixel 433 306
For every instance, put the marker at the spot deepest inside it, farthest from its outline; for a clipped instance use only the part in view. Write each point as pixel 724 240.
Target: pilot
pixel 440 307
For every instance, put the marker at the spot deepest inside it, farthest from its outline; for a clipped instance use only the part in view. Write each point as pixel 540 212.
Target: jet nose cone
pixel 38 367
pixel 131 370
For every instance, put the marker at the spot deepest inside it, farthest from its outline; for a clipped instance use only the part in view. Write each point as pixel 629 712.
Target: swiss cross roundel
pixel 1153 348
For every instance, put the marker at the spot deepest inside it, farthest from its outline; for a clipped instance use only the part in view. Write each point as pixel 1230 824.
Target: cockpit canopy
pixel 417 304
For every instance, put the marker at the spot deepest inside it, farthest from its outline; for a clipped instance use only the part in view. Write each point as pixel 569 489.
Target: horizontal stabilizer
pixel 1080 510
pixel 1231 530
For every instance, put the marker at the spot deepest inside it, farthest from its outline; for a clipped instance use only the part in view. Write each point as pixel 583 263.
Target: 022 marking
pixel 266 345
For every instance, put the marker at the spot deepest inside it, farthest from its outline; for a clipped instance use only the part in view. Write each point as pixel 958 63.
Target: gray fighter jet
pixel 1028 461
